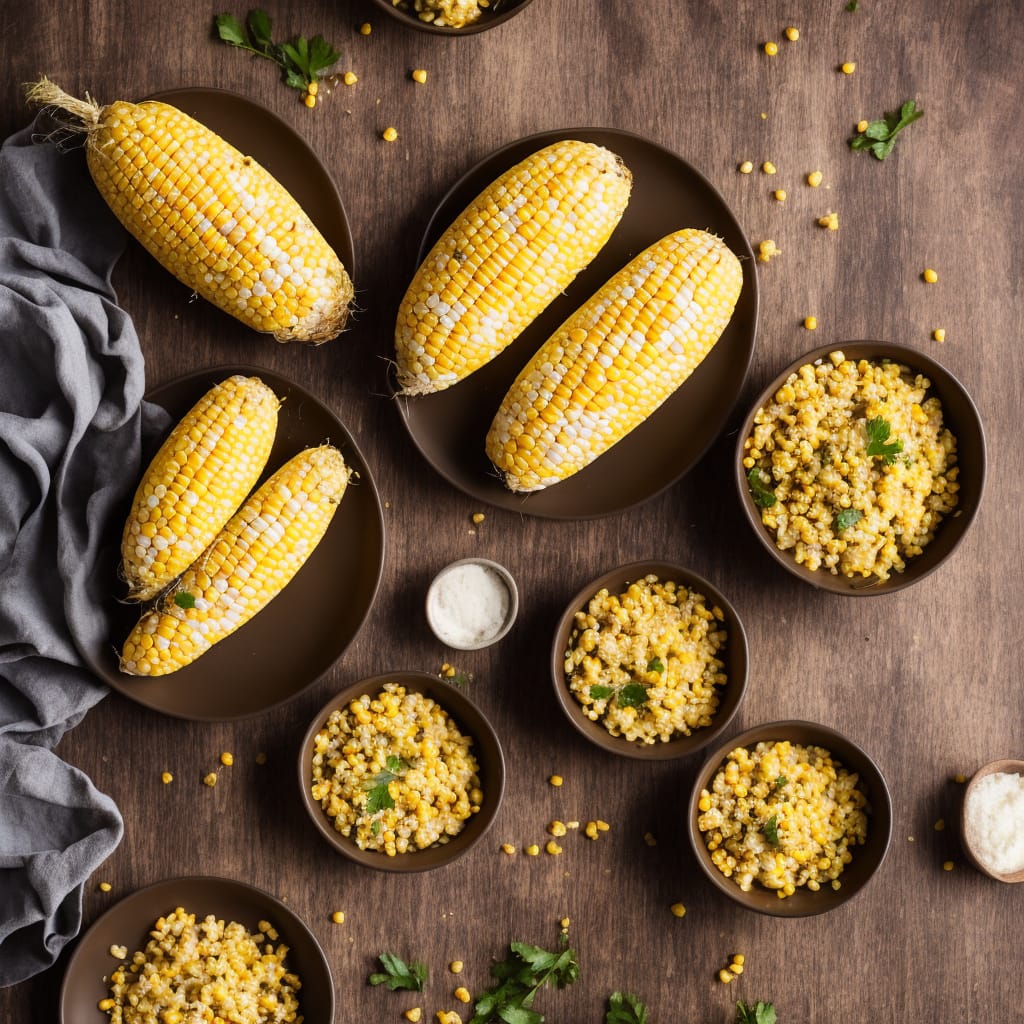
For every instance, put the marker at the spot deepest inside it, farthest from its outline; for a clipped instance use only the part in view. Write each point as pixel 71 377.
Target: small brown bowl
pixel 734 657
pixel 959 415
pixel 498 13
pixel 486 748
pixel 1011 767
pixel 867 859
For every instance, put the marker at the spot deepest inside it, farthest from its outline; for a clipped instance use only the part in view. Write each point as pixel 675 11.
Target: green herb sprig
pixel 880 136
pixel 878 431
pixel 624 1008
pixel 397 974
pixel 380 796
pixel 846 518
pixel 758 1013
pixel 771 830
pixel 518 979
pixel 763 495
pixel 631 695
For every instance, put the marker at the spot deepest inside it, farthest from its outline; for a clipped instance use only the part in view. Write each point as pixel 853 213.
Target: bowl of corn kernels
pixel 452 17
pixel 790 819
pixel 861 467
pixel 401 772
pixel 649 661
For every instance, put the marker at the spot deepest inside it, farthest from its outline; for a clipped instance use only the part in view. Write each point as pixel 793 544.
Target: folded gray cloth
pixel 71 428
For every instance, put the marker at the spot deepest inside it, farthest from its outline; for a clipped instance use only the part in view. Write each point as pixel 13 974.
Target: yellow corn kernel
pixel 602 826
pixel 419 75
pixel 814 179
pixel 261 758
pixel 104 887
pixel 532 850
pixel 746 167
pixel 202 472
pixel 739 958
pixel 768 167
pixel 564 923
pixel 258 552
pixel 309 99
pixel 767 250
pixel 478 517
pixel 227 759
pixel 735 968
pixel 771 48
pixel 338 917
pixel 862 126
pixel 830 221
pixel 462 994
pixel 508 254
pixel 188 196
pixel 555 780
pixel 553 848
pixel 166 778
pixel 615 360
pixel 170 1016
pixel 929 275
pixel 678 910
pixel 413 1014
pixel 448 1017
pixel 508 848
pixel 939 334
pixel 557 828
pixel 590 830
pixel 365 29
pixel 848 67
pixel 960 778
pixel 811 323
pixel 350 78
pixel 456 966
pixel 650 839
pixel 947 865
pixel 724 976
pixel 792 34
pixel 704 803
pixel 210 779
pixel 389 134
pixel 779 195
pixel 105 1004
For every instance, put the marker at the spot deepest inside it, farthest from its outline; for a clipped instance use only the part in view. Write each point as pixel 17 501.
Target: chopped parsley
pixel 880 136
pixel 599 692
pixel 771 830
pixel 878 431
pixel 655 665
pixel 845 519
pixel 632 695
pixel 397 974
pixel 380 795
pixel 763 495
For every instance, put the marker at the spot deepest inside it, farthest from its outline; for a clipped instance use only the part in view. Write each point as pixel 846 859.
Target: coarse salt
pixel 469 604
pixel 995 822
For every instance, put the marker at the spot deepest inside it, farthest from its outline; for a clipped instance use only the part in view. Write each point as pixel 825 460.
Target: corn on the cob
pixel 213 217
pixel 253 558
pixel 615 360
pixel 510 252
pixel 201 474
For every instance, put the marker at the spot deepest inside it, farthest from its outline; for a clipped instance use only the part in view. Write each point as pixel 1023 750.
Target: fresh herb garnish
pixel 880 136
pixel 397 974
pixel 632 695
pixel 183 599
pixel 781 781
pixel 763 495
pixel 845 519
pixel 380 795
pixel 518 979
pixel 624 1008
pixel 655 665
pixel 599 692
pixel 878 431
pixel 302 61
pixel 852 6
pixel 771 830
pixel 759 1013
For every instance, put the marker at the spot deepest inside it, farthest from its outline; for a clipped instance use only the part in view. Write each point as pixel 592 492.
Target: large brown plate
pixel 668 194
pixel 308 626
pixel 128 923
pixel 261 134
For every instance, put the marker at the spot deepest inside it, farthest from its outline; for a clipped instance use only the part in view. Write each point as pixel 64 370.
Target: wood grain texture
pixel 926 680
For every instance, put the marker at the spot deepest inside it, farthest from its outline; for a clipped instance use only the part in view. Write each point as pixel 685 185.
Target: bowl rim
pixel 487 21
pixel 1004 764
pixel 880 817
pixel 470 720
pixel 942 379
pixel 731 695
pixel 510 616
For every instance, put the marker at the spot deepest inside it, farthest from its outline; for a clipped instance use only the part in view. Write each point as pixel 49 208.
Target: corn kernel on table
pixel 926 680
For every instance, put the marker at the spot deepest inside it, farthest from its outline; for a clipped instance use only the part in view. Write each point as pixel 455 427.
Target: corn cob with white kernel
pixel 216 219
pixel 249 563
pixel 203 471
pixel 615 360
pixel 516 246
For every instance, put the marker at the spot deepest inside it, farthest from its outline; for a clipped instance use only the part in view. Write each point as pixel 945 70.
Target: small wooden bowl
pixel 1011 767
pixel 489 19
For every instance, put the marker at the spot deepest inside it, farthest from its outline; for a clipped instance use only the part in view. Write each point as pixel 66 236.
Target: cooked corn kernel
pixel 365 29
pixel 650 839
pixel 746 167
pixel 310 100
pixel 227 759
pixel 105 1004
pixel 811 323
pixel 508 848
pixel 419 75
pixel 389 134
pixel 553 848
pixel 478 517
pixel 768 167
pixel 939 334
pixel 779 195
pixel 261 758
pixel 555 780
pixel 350 78
pixel 929 275
pixel 792 34
pixel 939 825
pixel 456 966
pixel 767 250
pixel 830 221
pixel 104 887
pixel 462 994
pixel 724 976
pixel 814 178
pixel 338 917
pixel 848 67
pixel 771 48
pixel 532 850
pixel 739 958
pixel 947 865
pixel 557 828
pixel 678 910
pixel 166 778
pixel 413 1014
pixel 210 779
pixel 862 126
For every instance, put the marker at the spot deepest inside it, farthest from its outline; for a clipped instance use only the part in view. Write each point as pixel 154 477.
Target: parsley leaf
pixel 518 979
pixel 655 665
pixel 624 1008
pixel 878 431
pixel 759 1013
pixel 781 781
pixel 397 974
pixel 380 796
pixel 183 599
pixel 632 695
pixel 771 830
pixel 880 136
pixel 599 692
pixel 852 6
pixel 763 495
pixel 845 519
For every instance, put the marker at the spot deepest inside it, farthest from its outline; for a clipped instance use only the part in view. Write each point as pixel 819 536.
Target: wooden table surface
pixel 927 680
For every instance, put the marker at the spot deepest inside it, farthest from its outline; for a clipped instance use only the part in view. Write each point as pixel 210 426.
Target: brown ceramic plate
pixel 470 721
pixel 959 414
pixel 734 656
pixel 500 12
pixel 261 134
pixel 867 859
pixel 308 626
pixel 128 922
pixel 449 427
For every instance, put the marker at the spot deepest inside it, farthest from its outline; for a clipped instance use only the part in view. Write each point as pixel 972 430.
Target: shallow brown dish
pixel 734 657
pixel 1011 767
pixel 261 134
pixel 470 721
pixel 959 414
pixel 307 627
pixel 128 923
pixel 449 427
pixel 489 19
pixel 867 859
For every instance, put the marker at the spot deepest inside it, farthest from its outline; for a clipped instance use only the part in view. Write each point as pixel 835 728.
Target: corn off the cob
pixel 216 219
pixel 507 256
pixel 195 483
pixel 254 557
pixel 615 360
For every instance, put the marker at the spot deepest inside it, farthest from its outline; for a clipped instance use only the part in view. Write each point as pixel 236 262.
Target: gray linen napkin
pixel 71 428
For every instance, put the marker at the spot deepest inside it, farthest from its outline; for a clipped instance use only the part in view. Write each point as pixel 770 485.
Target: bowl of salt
pixel 472 603
pixel 992 820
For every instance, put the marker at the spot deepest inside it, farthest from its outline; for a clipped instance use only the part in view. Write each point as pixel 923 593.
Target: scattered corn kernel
pixel 210 779
pixel 768 167
pixel 364 30
pixel 310 100
pixel 829 221
pixel 478 517
pixel 836 884
pixel 462 994
pixel 313 88
pixel 118 952
pixel 105 887
pixel 555 780
pixel 456 966
pixel 338 917
pixel 947 865
pixel 678 910
pixel 261 758
pixel 939 825
pixel 939 334
pixel 739 958
pixel 960 777
pixel 724 976
pixel 532 850
pixel 166 778
pixel 602 826
pixel 590 829
pixel 792 34
pixel 766 250
pixel 508 848
pixel 779 195
pixel 564 924
pixel 862 126
pixel 557 828
pixel 553 848
pixel 650 839
pixel 227 759
pixel 814 178
pixel 746 167
pixel 811 323
pixel 735 968
pixel 350 78
pixel 419 75
pixel 105 1004
pixel 930 276
pixel 389 134
pixel 771 48
pixel 448 1017
pixel 413 1014
pixel 848 67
